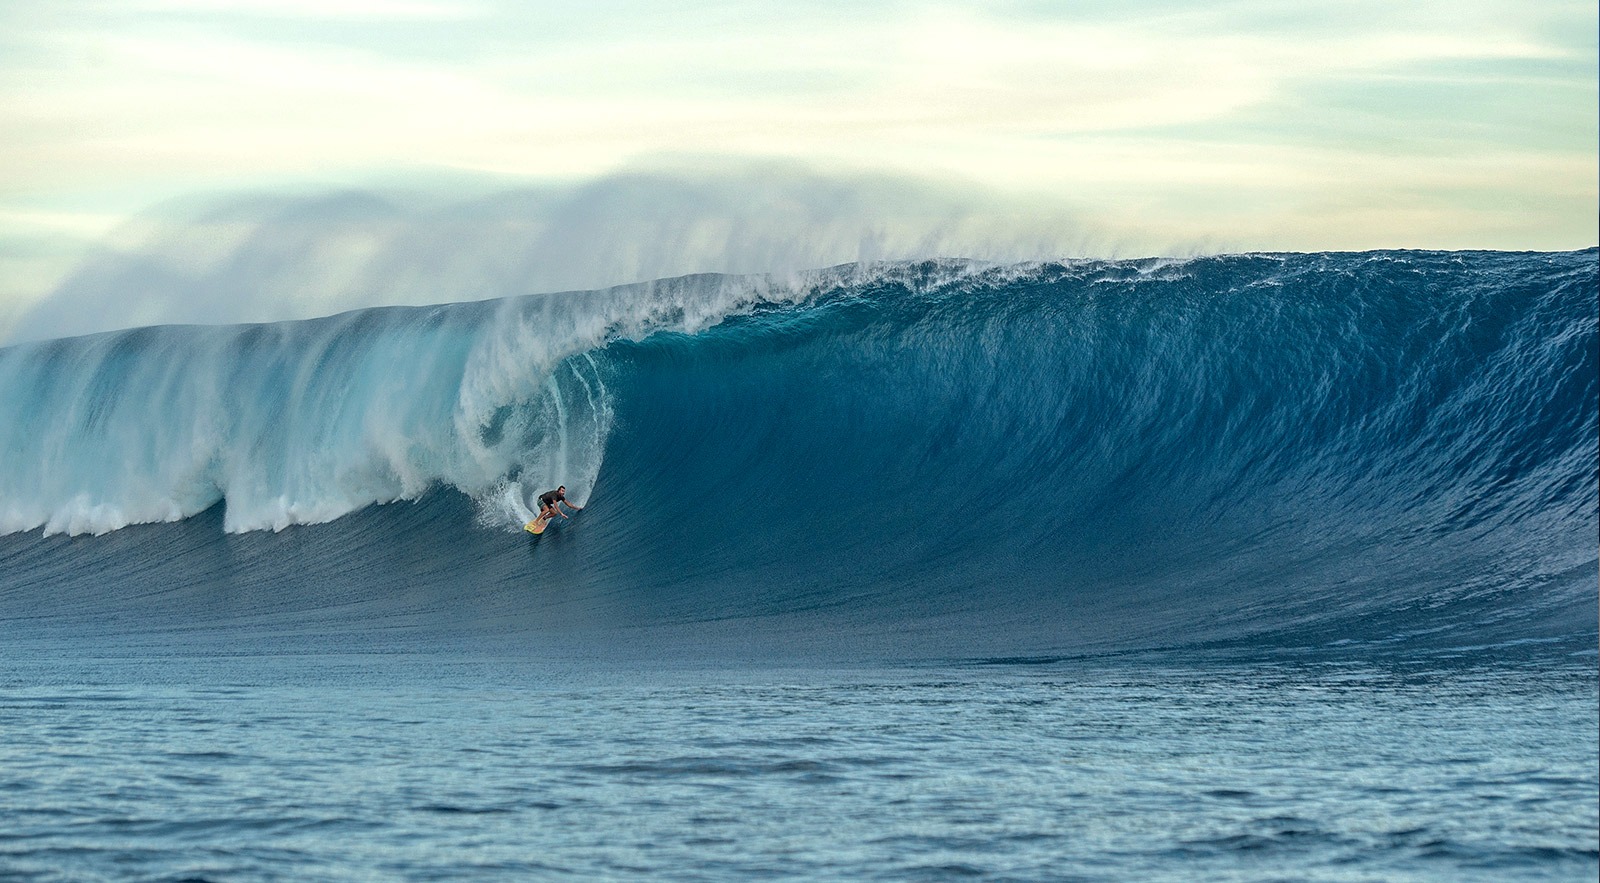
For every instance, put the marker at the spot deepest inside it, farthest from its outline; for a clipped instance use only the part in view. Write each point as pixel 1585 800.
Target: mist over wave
pixel 278 256
pixel 935 457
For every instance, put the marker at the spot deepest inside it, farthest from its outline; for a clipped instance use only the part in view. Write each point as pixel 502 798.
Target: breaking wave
pixel 938 457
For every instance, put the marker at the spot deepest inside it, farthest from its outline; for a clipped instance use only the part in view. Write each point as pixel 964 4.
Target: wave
pixel 1380 448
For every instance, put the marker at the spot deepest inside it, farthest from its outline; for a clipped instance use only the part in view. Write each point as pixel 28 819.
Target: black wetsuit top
pixel 549 498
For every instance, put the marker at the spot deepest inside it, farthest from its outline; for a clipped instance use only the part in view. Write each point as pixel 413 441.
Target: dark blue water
pixel 1257 567
pixel 341 768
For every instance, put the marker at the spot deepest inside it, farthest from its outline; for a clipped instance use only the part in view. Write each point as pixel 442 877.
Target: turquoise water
pixel 363 768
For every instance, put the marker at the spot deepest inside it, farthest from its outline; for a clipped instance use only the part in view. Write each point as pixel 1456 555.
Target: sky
pixel 1155 127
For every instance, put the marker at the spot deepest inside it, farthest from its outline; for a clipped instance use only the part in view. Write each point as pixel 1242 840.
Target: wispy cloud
pixel 387 10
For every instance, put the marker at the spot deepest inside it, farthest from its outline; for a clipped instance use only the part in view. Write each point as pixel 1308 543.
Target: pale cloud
pixel 401 10
pixel 247 104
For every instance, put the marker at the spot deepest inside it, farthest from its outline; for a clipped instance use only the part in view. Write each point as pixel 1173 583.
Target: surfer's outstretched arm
pixel 550 504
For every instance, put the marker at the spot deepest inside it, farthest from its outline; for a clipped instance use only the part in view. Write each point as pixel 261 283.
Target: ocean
pixel 1252 567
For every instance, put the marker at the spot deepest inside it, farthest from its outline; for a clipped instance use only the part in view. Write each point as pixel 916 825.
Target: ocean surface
pixel 1253 567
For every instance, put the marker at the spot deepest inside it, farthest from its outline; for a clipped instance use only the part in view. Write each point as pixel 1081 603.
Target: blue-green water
pixel 364 768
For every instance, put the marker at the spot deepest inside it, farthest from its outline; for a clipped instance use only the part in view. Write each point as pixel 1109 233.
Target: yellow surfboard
pixel 535 526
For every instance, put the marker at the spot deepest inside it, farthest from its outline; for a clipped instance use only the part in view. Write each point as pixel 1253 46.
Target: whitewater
pixel 302 422
pixel 1245 566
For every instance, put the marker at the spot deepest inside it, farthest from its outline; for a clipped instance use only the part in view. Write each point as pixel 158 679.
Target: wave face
pixel 1282 451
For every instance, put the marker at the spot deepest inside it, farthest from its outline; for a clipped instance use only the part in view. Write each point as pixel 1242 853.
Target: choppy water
pixel 356 768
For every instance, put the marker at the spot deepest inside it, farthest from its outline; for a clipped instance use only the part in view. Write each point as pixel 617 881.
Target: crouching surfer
pixel 550 503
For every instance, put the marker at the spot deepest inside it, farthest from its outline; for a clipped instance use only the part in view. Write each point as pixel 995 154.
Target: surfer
pixel 550 503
